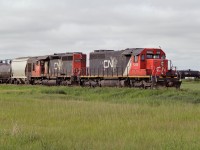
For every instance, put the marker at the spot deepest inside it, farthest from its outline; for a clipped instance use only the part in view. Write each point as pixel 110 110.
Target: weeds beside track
pixel 39 117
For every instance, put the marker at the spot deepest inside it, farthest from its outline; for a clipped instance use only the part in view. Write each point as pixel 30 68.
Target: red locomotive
pixel 134 67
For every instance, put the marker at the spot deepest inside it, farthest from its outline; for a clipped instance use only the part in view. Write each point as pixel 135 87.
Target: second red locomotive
pixel 57 69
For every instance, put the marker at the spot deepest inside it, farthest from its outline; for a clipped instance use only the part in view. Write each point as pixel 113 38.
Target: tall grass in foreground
pixel 38 117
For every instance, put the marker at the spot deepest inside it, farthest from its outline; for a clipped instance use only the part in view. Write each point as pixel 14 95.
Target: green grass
pixel 39 117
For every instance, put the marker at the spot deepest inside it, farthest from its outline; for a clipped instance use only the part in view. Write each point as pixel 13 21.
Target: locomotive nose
pixel 157 67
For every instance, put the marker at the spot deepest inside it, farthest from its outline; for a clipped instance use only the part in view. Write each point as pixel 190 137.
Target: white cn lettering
pixel 55 66
pixel 107 64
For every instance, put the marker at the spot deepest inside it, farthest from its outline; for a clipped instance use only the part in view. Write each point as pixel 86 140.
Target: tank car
pixel 132 67
pixel 189 73
pixel 5 71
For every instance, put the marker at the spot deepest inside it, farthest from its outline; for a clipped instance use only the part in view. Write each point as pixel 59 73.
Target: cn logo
pixel 58 65
pixel 107 64
pixel 112 63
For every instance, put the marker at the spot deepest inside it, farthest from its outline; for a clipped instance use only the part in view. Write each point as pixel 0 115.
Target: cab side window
pixel 142 57
pixel 163 57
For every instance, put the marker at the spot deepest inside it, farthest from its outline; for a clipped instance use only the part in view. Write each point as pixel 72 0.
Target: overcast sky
pixel 39 27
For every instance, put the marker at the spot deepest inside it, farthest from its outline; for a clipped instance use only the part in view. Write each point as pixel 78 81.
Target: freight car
pixel 189 73
pixel 19 73
pixel 133 67
pixel 5 71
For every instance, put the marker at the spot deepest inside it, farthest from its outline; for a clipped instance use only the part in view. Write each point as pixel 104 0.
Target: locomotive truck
pixel 132 67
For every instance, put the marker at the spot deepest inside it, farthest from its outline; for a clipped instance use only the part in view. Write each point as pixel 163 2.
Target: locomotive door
pixel 79 64
pixel 76 64
pixel 46 67
pixel 42 67
pixel 66 68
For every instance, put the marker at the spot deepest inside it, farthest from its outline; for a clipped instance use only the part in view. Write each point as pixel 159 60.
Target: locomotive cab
pixel 149 62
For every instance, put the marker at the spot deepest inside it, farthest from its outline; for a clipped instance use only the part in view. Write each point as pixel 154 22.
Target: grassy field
pixel 55 118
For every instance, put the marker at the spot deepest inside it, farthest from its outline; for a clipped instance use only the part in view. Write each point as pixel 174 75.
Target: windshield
pixel 153 56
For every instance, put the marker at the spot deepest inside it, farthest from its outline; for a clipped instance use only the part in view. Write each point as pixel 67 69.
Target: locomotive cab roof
pixel 43 58
pixel 133 51
pixel 96 51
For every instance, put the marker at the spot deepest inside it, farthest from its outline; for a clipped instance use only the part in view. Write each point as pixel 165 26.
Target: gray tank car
pixel 5 71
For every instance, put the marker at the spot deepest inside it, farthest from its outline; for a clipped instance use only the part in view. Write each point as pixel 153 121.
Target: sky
pixel 41 27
